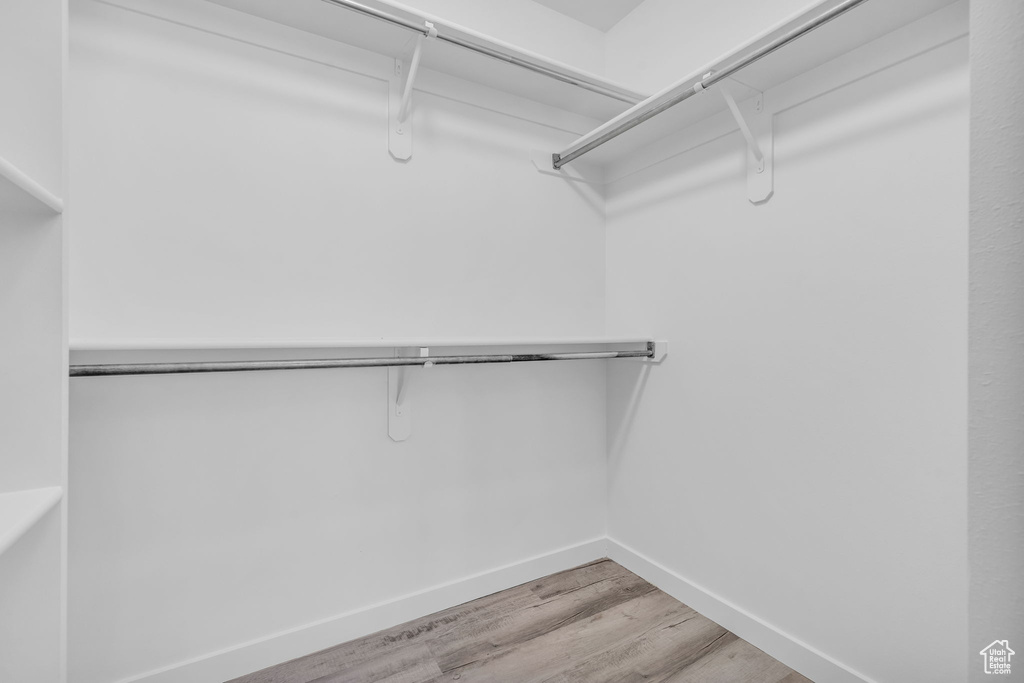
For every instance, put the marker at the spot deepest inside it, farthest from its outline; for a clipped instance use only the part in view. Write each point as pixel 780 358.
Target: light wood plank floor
pixel 593 624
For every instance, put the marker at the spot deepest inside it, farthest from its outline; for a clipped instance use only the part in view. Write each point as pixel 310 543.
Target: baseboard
pixel 792 652
pixel 258 654
pixel 280 647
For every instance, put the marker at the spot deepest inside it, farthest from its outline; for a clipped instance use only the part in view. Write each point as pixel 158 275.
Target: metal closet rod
pixel 107 370
pixel 741 62
pixel 576 80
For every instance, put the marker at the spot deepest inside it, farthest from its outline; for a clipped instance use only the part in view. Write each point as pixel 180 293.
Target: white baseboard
pixel 280 647
pixel 792 652
pixel 258 654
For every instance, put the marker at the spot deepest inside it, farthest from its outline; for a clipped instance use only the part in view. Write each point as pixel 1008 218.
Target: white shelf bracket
pixel 400 99
pixel 399 404
pixel 755 123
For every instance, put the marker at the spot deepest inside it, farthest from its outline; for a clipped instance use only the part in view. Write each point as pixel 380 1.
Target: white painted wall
pixel 801 453
pixel 30 66
pixel 223 190
pixel 996 483
pixel 245 193
pixel 211 511
pixel 30 350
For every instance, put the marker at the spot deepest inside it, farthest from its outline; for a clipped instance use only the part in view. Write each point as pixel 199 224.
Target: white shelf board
pixel 857 27
pixel 346 26
pixel 19 192
pixel 20 510
pixel 326 343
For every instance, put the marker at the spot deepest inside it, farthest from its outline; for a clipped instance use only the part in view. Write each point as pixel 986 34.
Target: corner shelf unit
pixel 33 452
pixel 20 510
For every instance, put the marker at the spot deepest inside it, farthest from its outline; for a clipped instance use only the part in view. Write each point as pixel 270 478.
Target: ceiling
pixel 601 14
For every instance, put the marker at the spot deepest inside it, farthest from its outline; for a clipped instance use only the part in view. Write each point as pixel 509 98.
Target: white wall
pixel 30 66
pixel 223 190
pixel 801 453
pixel 30 350
pixel 211 511
pixel 996 483
pixel 229 191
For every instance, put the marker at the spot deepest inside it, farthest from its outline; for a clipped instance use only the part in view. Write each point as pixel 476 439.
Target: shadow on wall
pixel 225 63
pixel 630 380
pixel 900 97
pixel 453 127
pixel 692 171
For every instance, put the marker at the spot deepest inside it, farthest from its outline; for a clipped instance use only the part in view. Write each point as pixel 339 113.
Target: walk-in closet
pixel 513 341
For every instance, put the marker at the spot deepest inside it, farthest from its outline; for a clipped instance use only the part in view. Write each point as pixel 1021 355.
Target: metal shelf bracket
pixel 399 405
pixel 755 123
pixel 400 98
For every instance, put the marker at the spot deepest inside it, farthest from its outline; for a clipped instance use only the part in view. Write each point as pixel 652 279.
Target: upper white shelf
pixel 343 25
pixel 19 192
pixel 20 510
pixel 855 28
pixel 326 343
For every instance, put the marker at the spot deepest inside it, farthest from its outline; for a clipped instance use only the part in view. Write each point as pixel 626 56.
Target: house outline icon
pixel 1002 646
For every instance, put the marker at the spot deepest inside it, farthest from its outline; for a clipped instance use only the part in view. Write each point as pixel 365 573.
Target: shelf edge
pixel 25 183
pixel 537 58
pixel 39 502
pixel 328 343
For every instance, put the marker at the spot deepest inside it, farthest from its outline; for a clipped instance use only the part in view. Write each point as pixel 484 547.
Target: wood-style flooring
pixel 594 624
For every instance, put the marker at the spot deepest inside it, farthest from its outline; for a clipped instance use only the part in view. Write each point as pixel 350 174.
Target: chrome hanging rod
pixel 584 145
pixel 107 370
pixel 578 80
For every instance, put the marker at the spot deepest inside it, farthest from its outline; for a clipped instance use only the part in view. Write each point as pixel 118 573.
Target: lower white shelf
pixel 19 510
pixel 194 344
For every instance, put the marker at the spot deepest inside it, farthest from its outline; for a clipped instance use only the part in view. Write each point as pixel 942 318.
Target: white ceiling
pixel 601 14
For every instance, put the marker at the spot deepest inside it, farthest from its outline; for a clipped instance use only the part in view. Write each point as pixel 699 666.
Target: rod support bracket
pixel 756 125
pixel 399 404
pixel 400 97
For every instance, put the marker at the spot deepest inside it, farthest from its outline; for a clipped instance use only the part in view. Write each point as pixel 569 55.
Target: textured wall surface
pixel 996 466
